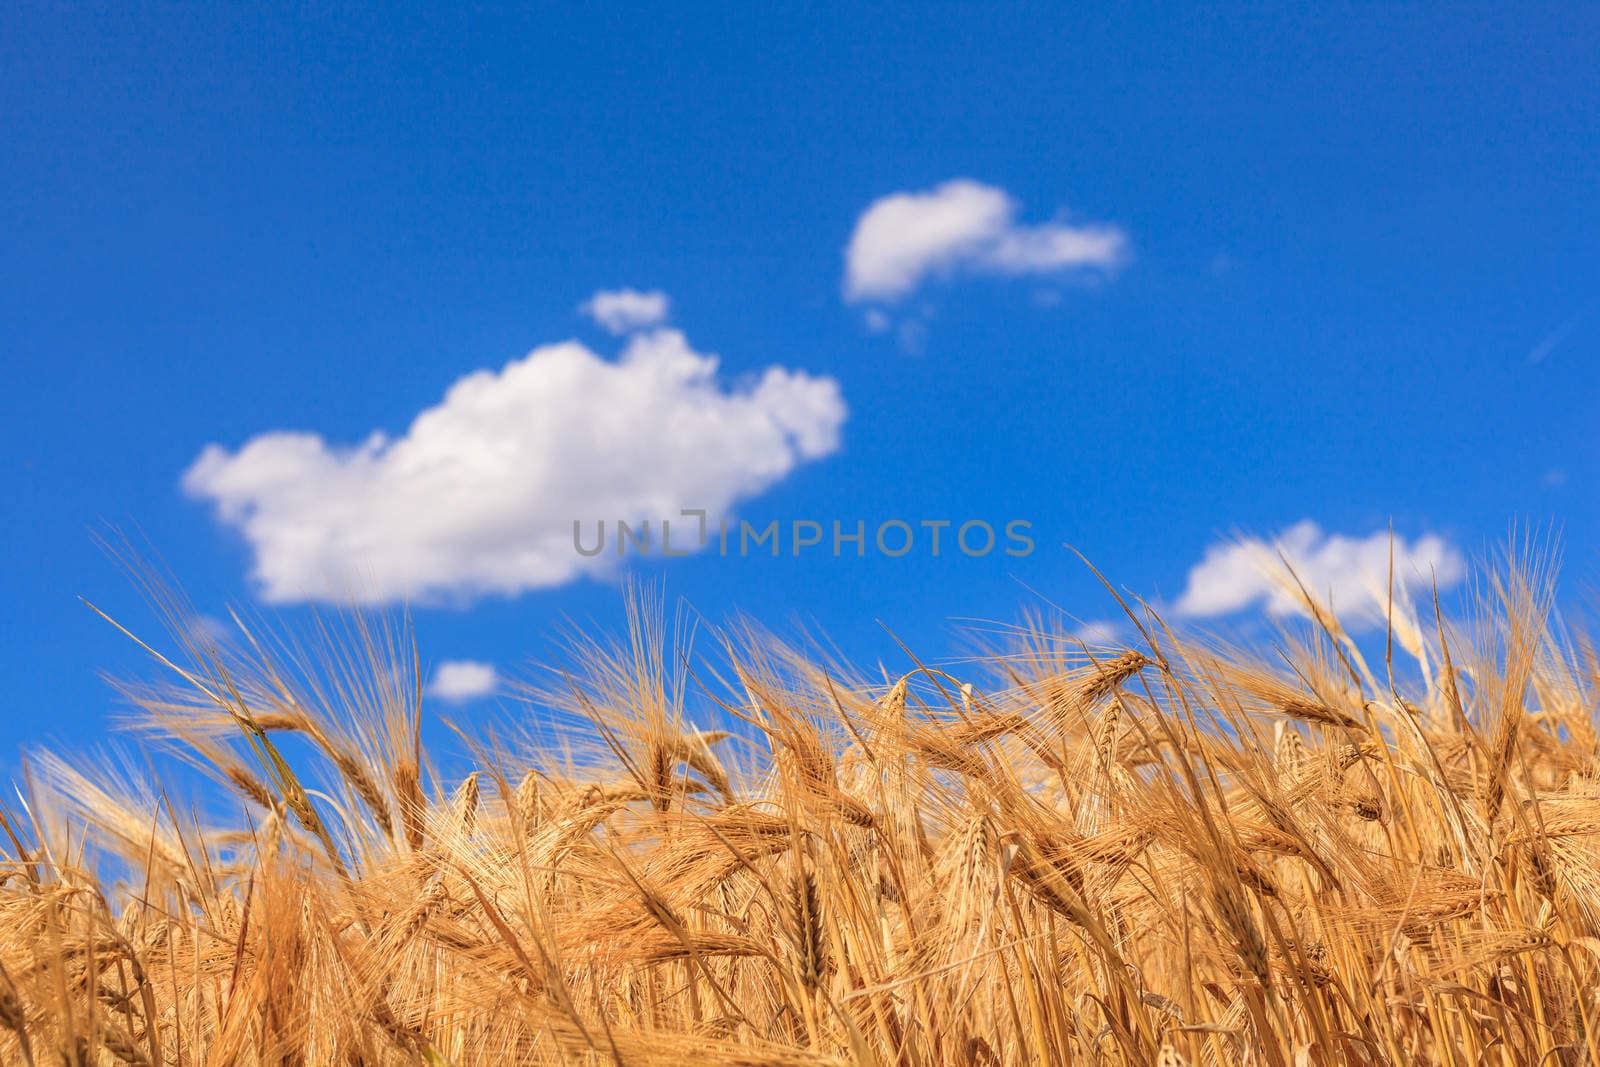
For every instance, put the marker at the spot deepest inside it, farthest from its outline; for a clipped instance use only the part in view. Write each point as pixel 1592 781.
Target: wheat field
pixel 1309 849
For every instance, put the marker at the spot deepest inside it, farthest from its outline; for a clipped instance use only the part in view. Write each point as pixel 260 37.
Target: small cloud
pixel 459 680
pixel 877 321
pixel 208 630
pixel 620 311
pixel 1351 573
pixel 1554 478
pixel 913 336
pixel 1097 632
pixel 964 226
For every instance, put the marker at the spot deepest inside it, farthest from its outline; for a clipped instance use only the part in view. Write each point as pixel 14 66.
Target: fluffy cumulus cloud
pixel 1351 573
pixel 964 226
pixel 480 494
pixel 620 311
pixel 460 680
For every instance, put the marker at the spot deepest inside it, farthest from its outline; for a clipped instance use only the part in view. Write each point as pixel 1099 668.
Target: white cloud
pixel 1351 572
pixel 620 311
pixel 460 680
pixel 1097 632
pixel 480 494
pixel 964 226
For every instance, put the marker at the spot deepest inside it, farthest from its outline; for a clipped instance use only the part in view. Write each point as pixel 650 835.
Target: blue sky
pixel 1299 274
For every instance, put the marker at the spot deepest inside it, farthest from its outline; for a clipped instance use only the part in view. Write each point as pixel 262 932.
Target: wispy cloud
pixel 1350 573
pixel 965 227
pixel 480 494
pixel 1558 337
pixel 1097 632
pixel 620 311
pixel 460 680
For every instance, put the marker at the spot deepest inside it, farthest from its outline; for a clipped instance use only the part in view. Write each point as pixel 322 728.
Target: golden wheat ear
pixel 1182 851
